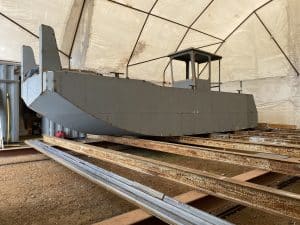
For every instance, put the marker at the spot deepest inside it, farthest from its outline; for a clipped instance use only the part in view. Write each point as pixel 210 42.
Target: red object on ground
pixel 60 134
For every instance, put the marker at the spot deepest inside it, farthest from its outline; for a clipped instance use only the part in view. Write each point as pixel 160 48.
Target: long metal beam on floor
pixel 138 215
pixel 158 204
pixel 237 145
pixel 248 194
pixel 271 162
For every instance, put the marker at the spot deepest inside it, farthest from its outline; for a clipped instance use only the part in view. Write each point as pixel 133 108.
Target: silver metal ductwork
pixel 9 101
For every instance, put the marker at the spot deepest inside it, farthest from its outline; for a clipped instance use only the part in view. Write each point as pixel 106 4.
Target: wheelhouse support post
pixel 187 70
pixel 192 55
pixel 164 74
pixel 219 75
pixel 126 74
pixel 172 75
pixel 209 70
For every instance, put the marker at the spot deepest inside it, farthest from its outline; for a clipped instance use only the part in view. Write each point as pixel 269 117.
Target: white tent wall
pixel 114 33
pixel 30 14
pixel 277 98
pixel 252 56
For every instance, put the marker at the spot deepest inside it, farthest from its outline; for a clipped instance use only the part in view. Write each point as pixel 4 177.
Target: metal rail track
pixel 156 203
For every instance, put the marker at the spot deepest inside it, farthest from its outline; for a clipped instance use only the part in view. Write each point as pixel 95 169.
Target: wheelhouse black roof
pixel 200 55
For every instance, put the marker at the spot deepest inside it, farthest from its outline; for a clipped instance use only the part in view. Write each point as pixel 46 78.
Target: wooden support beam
pixel 277 163
pixel 276 126
pixel 286 132
pixel 236 145
pixel 139 215
pixel 253 195
pixel 265 139
pixel 280 134
pixel 267 134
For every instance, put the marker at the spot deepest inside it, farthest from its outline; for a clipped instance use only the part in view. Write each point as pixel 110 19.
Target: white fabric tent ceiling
pixel 113 33
pixel 257 39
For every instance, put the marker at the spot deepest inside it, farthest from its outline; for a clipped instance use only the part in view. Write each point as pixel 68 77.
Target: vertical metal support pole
pixel 13 89
pixel 69 63
pixel 172 75
pixel 67 132
pixel 8 117
pixel 3 88
pixel 164 74
pixel 209 70
pixel 9 101
pixel 1 136
pixel 219 75
pixel 74 134
pixel 58 127
pixel 241 86
pixel 45 126
pixel 51 128
pixel 126 72
pixel 197 72
pixel 193 69
pixel 187 70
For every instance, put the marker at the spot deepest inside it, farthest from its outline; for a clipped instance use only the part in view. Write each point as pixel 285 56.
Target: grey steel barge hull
pixel 97 104
pixel 106 105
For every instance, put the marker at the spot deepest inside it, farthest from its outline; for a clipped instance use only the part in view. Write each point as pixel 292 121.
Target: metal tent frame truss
pixel 219 41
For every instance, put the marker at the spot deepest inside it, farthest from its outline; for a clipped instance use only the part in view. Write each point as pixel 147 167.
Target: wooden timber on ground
pixel 276 126
pixel 240 145
pixel 274 140
pixel 271 162
pixel 290 137
pixel 253 195
pixel 271 132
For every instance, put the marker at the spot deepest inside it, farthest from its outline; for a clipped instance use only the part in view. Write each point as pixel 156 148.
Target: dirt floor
pixel 44 192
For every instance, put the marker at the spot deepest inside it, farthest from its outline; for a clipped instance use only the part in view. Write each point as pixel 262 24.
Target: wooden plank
pixel 280 164
pixel 14 148
pixel 139 215
pixel 278 134
pixel 237 145
pixel 276 126
pixel 287 132
pixel 253 195
pixel 291 137
pixel 274 140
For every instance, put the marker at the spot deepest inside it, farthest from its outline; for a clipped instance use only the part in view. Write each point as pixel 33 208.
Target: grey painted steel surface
pixel 29 67
pixel 9 88
pixel 97 104
pixel 156 203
